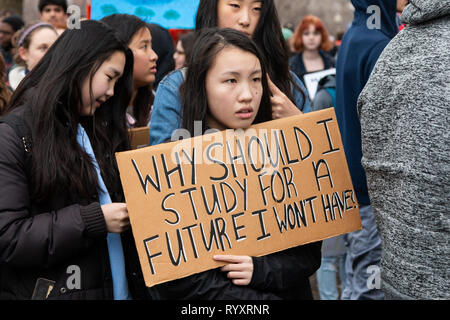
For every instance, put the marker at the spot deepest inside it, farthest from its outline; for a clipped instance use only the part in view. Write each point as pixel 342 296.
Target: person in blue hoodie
pixel 373 26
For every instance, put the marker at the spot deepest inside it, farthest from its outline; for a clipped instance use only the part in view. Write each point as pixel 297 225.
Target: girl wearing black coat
pixel 53 229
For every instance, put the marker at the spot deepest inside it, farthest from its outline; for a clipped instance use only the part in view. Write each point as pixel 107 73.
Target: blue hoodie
pixel 357 56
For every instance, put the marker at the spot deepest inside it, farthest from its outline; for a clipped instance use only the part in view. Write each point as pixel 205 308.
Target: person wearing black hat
pixel 54 12
pixel 8 26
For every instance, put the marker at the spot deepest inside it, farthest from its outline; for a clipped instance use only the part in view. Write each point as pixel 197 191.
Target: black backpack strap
pixel 23 132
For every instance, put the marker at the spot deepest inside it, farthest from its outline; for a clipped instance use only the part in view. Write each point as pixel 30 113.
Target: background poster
pixel 170 14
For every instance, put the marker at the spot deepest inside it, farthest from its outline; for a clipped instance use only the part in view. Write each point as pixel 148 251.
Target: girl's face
pixel 311 38
pixel 234 89
pixel 103 83
pixel 241 15
pixel 41 40
pixel 179 56
pixel 145 58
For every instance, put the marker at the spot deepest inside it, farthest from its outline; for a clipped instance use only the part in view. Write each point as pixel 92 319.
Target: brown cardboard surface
pixel 221 193
pixel 139 137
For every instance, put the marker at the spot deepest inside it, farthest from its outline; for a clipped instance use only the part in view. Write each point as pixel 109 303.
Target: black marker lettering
pixel 264 234
pixel 151 256
pixel 332 149
pixel 163 207
pixel 310 146
pixel 144 184
pixel 168 172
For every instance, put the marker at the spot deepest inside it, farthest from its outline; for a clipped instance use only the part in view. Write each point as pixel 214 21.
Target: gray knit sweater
pixel 405 122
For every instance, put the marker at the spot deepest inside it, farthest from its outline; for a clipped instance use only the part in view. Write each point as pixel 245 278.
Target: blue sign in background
pixel 171 14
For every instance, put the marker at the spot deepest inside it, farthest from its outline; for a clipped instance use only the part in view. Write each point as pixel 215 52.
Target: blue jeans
pixel 327 277
pixel 363 254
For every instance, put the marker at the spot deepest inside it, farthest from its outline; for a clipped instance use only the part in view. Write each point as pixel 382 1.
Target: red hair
pixel 297 39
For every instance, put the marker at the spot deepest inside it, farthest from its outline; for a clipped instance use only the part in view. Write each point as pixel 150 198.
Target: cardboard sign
pixel 274 186
pixel 139 137
pixel 312 80
pixel 170 14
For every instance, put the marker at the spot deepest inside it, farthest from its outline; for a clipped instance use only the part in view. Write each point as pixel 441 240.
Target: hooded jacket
pixel 361 46
pixel 404 111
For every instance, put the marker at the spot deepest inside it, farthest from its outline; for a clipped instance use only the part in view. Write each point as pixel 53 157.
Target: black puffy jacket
pixel 60 244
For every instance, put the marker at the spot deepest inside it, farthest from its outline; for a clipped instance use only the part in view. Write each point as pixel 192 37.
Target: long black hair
pixel 209 42
pixel 269 38
pixel 52 92
pixel 127 26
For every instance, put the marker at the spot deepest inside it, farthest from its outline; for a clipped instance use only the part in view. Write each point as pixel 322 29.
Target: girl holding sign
pixel 136 34
pixel 60 233
pixel 257 20
pixel 226 88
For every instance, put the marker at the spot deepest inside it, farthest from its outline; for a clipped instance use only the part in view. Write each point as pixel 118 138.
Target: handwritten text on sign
pixel 271 187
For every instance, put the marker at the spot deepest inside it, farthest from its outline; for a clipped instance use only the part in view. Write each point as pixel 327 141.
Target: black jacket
pixel 298 67
pixel 281 275
pixel 51 240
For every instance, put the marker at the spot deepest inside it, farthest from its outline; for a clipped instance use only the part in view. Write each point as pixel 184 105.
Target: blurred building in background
pixel 336 14
pixel 15 5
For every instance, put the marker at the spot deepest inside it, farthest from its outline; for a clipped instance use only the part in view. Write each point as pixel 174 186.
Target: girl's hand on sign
pixel 240 268
pixel 282 106
pixel 116 217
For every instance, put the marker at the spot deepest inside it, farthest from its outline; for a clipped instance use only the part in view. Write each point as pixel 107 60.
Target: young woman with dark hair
pixel 262 24
pixel 197 93
pixel 226 88
pixel 61 203
pixel 136 34
pixel 258 19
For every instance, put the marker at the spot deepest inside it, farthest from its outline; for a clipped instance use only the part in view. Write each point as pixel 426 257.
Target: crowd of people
pixel 68 98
